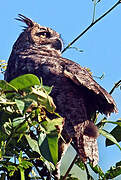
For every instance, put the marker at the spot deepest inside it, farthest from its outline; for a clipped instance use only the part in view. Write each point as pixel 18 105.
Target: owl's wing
pixel 82 77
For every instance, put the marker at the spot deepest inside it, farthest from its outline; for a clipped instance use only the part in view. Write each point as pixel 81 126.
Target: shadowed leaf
pixel 33 144
pixel 53 147
pixel 109 136
pixel 116 132
pixel 113 172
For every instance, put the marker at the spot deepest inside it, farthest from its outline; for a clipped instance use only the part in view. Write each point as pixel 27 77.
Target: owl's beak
pixel 57 44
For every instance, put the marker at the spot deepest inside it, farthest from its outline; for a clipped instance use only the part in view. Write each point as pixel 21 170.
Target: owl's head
pixel 40 37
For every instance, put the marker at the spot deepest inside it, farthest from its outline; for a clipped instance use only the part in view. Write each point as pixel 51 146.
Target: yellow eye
pixel 43 34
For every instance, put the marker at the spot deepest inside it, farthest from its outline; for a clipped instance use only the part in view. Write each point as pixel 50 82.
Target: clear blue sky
pixel 101 44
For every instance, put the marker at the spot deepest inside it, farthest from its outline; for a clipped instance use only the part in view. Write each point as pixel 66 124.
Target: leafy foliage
pixel 26 127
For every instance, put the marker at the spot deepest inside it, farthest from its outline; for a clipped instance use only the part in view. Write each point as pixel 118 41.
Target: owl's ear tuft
pixel 26 20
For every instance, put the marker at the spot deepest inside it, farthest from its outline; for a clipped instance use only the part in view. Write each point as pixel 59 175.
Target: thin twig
pixel 100 77
pixel 10 92
pixel 115 86
pixel 70 167
pixel 92 24
pixel 94 9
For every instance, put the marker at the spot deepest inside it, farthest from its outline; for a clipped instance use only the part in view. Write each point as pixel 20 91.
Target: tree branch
pixel 91 25
pixel 115 86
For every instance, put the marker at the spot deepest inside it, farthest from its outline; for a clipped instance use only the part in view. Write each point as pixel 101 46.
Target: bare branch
pixel 115 86
pixel 92 24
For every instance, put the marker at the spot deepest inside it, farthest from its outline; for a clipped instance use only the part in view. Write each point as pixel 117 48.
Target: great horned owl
pixel 76 95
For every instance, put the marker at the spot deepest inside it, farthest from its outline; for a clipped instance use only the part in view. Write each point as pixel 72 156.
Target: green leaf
pixel 23 104
pixel 114 171
pixel 17 121
pixel 112 122
pixel 116 132
pixel 20 104
pixel 51 141
pixel 25 81
pixel 5 86
pixel 11 168
pixel 41 138
pixel 49 148
pixel 118 164
pixel 22 128
pixel 97 170
pixel 26 164
pixel 33 144
pixel 44 149
pixel 109 136
pixel 45 100
pixel 48 104
pixel 47 89
pixel 16 128
pixel 50 125
pixel 53 147
pixel 31 97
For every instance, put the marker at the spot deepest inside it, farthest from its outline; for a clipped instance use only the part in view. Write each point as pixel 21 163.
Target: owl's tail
pixel 86 141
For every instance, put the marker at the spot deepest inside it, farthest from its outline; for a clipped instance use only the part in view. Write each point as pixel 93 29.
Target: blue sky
pixel 101 44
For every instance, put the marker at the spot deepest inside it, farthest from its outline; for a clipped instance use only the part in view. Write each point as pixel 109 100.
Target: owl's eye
pixel 43 34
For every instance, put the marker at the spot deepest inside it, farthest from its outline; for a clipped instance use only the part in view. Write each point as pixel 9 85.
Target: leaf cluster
pixel 27 128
